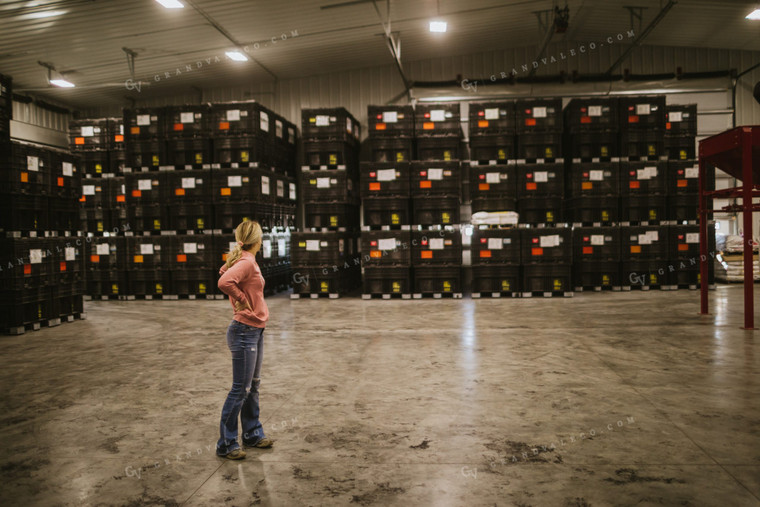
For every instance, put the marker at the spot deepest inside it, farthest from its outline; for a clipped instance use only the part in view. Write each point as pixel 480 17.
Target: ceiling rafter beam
pixel 393 42
pixel 544 22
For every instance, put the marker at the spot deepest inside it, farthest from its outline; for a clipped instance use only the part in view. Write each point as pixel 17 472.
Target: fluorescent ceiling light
pixel 171 4
pixel 43 14
pixel 62 83
pixel 438 26
pixel 754 14
pixel 237 56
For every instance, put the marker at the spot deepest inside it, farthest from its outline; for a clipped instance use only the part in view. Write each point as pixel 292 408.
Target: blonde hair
pixel 249 234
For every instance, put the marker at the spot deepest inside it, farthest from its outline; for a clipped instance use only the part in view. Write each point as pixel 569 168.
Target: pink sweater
pixel 244 282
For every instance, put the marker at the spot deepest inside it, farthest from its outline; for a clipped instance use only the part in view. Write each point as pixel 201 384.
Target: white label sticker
pixel 493 178
pixel 188 182
pixel 186 118
pixel 292 191
pixel 436 243
pixel 265 185
pixel 190 248
pixel 642 174
pixel 143 119
pixel 280 188
pixel 349 127
pixel 143 184
pixel 644 239
pixel 495 244
pixel 264 121
pixel 102 249
pixel 540 176
pixel 281 247
pixel 595 110
pixel 692 237
pixel 675 116
pixel 386 174
pixel 653 236
pixel 692 172
pixel 68 169
pixel 233 115
pixel 596 175
pixel 88 131
pixel 32 163
pixel 312 245
pixel 386 244
pixel 146 249
pixel 323 120
pixel 70 253
pixel 437 115
pixel 652 172
pixel 492 113
pixel 597 239
pixel 35 256
pixel 390 117
pixel 266 249
pixel 643 109
pixel 539 112
pixel 323 182
pixel 435 174
pixel 278 129
pixel 549 241
pixel 88 189
pixel 234 181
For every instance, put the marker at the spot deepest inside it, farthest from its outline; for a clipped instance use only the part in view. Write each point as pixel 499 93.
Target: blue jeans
pixel 246 344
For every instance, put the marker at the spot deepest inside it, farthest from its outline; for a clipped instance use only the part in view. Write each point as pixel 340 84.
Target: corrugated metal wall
pixel 40 117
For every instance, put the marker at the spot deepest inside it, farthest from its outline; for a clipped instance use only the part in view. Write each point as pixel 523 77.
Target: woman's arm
pixel 229 282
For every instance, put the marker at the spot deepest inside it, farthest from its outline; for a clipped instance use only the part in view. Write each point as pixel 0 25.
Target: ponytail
pixel 234 255
pixel 247 234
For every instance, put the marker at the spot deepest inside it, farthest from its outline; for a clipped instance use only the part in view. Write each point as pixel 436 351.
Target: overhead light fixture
pixel 62 83
pixel 42 14
pixel 754 15
pixel 438 26
pixel 171 4
pixel 237 56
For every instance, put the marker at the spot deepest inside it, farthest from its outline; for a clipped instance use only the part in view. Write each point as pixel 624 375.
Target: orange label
pixel 138 259
pixel 181 258
pixel 426 184
pixel 587 185
pixel 374 186
pixel 179 191
pixel 83 199
pixel 63 266
pixel 224 256
pixel 667 126
pixel 531 122
pixel 482 123
pixel 683 183
pixel 179 126
pixel 224 125
pixel 94 258
pixel 121 198
pixel 633 119
pixel 426 254
pixel 79 141
pixel 60 182
pixel 135 130
pixel 484 186
pixel 485 253
pixel 24 177
pixel 428 125
pixel 136 193
pixel 226 191
pixel 635 249
pixel 27 269
pixel 380 126
pixel 585 119
pixel 118 138
pixel 375 254
pixel 634 184
pixel 683 247
pixel 588 250
pixel 530 186
pixel 537 251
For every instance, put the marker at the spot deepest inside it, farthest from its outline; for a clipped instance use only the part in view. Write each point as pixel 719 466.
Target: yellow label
pixel 98 168
pixel 200 223
pixel 502 154
pixel 506 286
pixel 244 156
pixel 400 156
pixel 159 288
pixel 324 286
pixel 557 284
pixel 156 224
pixel 605 215
pixel 605 152
pixel 333 159
pixel 447 155
pixel 114 288
pixel 446 286
pixel 302 244
pixel 156 162
pixel 699 277
pixel 100 226
pixel 245 219
pixel 395 219
pixel 683 154
pixel 333 220
pixel 396 287
pixel 651 150
pixel 445 217
pixel 549 216
pixel 549 152
pixel 201 288
pixel 652 214
pixel 199 158
pixel 312 182
pixel 652 279
pixel 39 311
pixel 605 279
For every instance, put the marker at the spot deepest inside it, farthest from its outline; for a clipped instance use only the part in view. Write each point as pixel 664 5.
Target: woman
pixel 242 281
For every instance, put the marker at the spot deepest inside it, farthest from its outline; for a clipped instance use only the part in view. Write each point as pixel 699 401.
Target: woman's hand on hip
pixel 239 307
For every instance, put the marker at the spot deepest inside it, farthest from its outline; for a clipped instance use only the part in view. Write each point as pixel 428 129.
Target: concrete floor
pixel 432 402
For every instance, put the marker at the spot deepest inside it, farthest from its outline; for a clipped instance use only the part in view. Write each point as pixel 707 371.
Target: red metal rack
pixel 737 152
